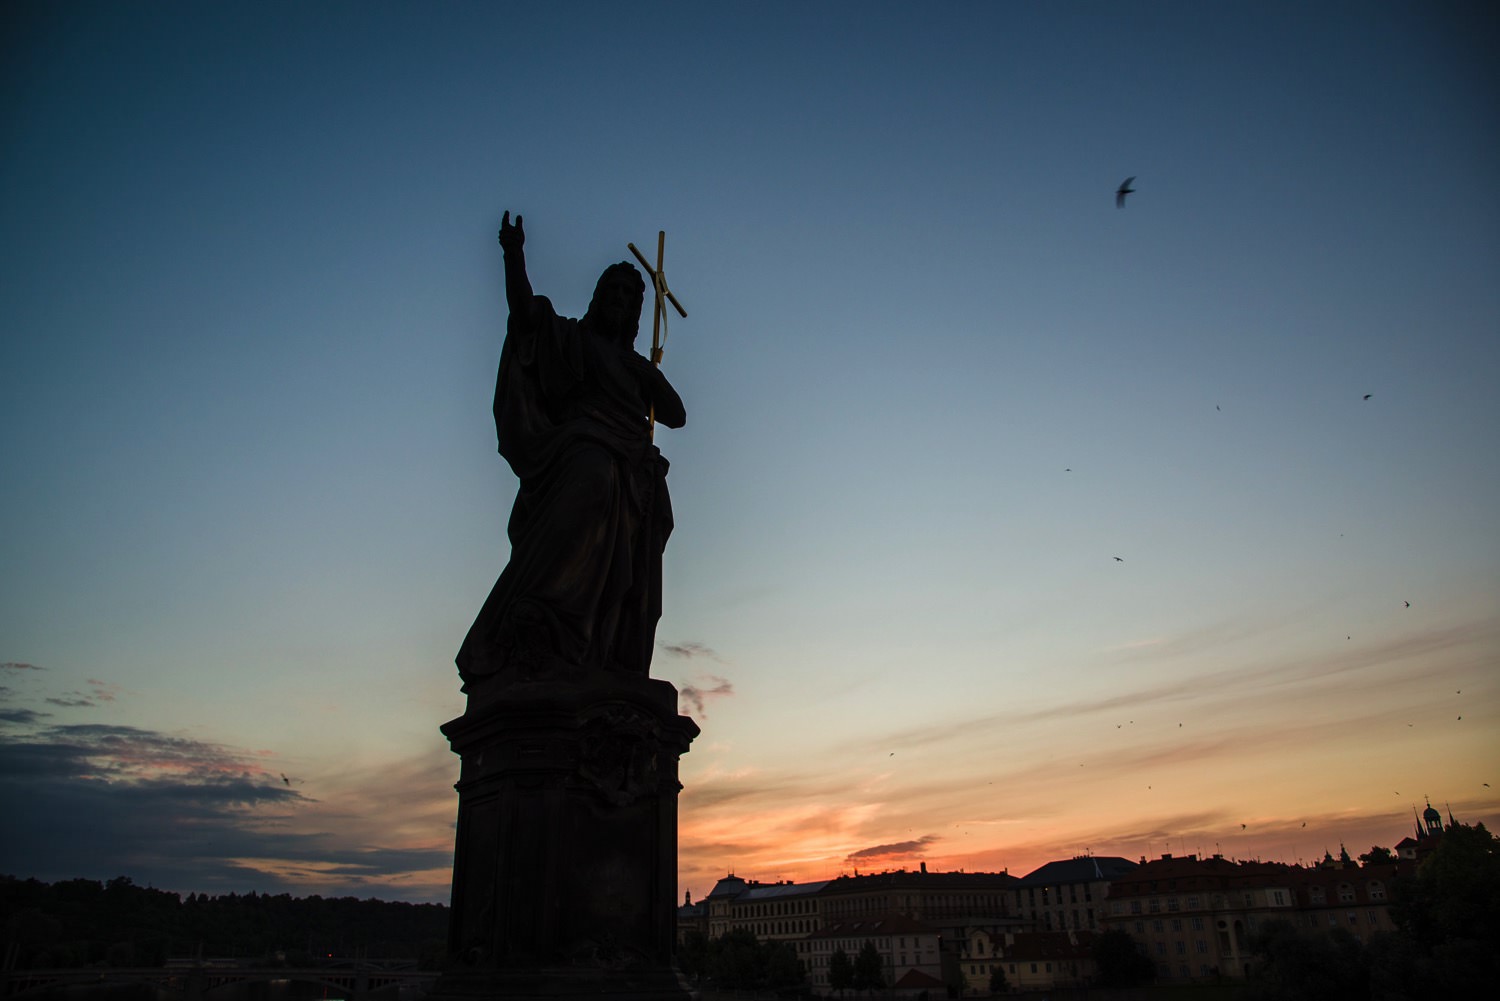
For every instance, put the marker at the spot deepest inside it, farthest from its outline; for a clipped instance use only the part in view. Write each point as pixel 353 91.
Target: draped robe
pixel 582 589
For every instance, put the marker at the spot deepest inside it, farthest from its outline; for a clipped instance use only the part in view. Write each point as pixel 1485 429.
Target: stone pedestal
pixel 565 868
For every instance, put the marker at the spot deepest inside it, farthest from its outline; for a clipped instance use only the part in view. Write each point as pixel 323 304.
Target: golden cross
pixel 659 314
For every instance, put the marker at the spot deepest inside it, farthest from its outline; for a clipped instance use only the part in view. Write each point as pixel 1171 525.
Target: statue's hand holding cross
pixel 663 296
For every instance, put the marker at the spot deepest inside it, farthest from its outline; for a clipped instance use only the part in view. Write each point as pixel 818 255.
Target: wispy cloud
pixel 14 665
pixel 180 813
pixel 26 717
pixel 710 686
pixel 898 850
pixel 103 691
pixel 690 649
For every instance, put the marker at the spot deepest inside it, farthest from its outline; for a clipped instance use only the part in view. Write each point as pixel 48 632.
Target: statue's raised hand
pixel 511 237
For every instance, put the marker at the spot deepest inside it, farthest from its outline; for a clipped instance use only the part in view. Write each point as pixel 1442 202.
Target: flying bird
pixel 285 779
pixel 1486 785
pixel 1119 559
pixel 1123 190
pixel 1406 603
pixel 1368 395
pixel 1242 827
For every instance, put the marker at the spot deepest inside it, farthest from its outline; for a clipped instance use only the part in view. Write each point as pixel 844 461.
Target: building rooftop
pixel 752 890
pixel 1081 869
pixel 902 878
pixel 890 924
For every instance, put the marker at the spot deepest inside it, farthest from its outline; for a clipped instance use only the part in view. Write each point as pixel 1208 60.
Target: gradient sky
pixel 251 307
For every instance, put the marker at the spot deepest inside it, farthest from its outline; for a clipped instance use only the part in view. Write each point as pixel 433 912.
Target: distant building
pixel 946 902
pixel 780 911
pixel 1068 895
pixel 910 952
pixel 1429 833
pixel 1339 893
pixel 1193 917
pixel 1044 960
pixel 691 918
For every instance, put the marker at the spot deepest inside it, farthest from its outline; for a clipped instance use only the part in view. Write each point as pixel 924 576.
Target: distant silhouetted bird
pixel 1486 785
pixel 1407 604
pixel 1242 827
pixel 1368 395
pixel 1304 823
pixel 285 779
pixel 1119 560
pixel 1123 190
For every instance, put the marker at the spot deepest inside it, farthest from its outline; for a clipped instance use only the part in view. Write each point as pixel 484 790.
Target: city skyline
pixel 1010 524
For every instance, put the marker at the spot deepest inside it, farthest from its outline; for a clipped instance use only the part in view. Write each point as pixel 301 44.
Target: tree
pixel 1308 967
pixel 1448 920
pixel 1120 961
pixel 1377 856
pixel 869 968
pixel 736 960
pixel 998 983
pixel 783 968
pixel 840 971
pixel 693 955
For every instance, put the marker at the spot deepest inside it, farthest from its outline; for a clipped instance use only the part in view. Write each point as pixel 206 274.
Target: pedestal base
pixel 565 865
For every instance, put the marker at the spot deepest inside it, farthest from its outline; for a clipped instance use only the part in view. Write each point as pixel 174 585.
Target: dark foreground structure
pixel 565 867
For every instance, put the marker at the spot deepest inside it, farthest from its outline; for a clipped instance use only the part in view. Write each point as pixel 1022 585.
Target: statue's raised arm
pixel 517 285
pixel 582 590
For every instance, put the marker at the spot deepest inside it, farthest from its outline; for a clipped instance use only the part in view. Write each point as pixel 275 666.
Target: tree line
pixel 83 922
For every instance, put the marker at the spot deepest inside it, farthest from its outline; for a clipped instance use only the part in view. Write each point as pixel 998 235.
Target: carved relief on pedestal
pixel 617 754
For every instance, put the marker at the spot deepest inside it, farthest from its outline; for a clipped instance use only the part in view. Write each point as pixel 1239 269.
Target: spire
pixel 1432 819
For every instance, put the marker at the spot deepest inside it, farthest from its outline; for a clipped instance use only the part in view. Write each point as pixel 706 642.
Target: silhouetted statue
pixel 582 590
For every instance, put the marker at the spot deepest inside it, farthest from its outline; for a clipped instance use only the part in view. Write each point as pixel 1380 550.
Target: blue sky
pixel 936 382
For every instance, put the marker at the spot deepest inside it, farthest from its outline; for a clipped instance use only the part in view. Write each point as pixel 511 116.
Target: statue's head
pixel 615 310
